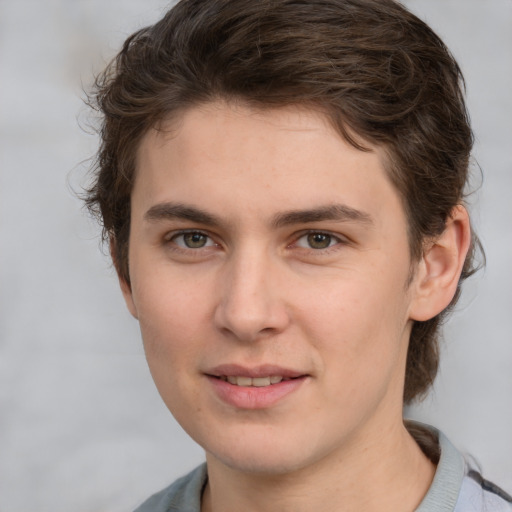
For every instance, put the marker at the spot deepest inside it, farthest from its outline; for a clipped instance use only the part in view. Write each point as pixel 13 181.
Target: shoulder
pixel 183 495
pixel 478 494
pixel 456 486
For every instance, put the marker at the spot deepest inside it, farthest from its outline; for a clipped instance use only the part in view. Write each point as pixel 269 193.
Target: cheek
pixel 358 306
pixel 172 315
pixel 172 327
pixel 359 327
pixel 363 348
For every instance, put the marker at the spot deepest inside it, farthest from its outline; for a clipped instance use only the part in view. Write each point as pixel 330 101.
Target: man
pixel 281 184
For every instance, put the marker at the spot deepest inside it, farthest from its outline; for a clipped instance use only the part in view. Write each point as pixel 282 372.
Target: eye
pixel 192 240
pixel 317 240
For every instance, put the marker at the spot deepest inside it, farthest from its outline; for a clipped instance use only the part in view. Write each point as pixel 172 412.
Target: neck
pixel 385 472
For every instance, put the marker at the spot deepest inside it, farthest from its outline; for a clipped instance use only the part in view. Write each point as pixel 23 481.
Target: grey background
pixel 81 426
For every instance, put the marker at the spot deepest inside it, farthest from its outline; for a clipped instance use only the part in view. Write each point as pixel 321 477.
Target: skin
pixel 255 280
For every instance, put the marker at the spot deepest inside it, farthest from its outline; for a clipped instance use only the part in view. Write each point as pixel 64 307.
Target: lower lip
pixel 253 397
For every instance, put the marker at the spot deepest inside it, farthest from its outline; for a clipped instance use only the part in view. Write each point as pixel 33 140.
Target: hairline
pixel 170 122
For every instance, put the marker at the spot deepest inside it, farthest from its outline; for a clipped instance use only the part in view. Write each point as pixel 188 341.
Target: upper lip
pixel 264 370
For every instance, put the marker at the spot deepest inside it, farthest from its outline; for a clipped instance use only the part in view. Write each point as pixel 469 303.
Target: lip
pixel 251 398
pixel 257 371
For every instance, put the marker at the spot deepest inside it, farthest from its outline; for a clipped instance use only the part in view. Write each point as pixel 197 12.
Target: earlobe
pixel 125 286
pixel 439 269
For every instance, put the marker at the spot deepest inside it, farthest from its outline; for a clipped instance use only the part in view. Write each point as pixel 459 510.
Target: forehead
pixel 245 158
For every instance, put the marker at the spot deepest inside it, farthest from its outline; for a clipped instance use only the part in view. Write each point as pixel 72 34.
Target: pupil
pixel 319 240
pixel 194 240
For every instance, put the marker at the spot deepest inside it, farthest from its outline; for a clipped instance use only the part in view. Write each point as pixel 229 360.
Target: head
pixel 378 75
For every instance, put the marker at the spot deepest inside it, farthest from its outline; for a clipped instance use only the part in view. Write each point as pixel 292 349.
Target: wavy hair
pixel 377 72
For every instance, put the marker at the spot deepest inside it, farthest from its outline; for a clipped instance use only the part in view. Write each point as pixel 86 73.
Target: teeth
pixel 243 381
pixel 261 382
pixel 257 382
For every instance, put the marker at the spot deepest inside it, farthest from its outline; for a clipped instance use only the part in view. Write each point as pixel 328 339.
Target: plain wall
pixel 82 427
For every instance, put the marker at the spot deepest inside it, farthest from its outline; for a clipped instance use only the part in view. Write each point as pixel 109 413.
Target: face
pixel 269 264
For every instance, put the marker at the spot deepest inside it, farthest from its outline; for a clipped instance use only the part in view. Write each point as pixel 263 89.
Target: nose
pixel 251 301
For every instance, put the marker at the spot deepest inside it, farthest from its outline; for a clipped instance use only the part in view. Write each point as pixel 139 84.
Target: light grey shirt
pixel 455 488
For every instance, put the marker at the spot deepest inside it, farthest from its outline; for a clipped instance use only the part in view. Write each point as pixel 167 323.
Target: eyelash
pixel 332 238
pixel 171 239
pixel 210 242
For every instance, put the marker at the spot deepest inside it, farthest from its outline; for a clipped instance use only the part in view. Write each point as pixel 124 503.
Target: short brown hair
pixel 375 70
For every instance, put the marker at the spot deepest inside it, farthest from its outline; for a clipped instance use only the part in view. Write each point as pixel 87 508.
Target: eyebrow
pixel 335 212
pixel 169 211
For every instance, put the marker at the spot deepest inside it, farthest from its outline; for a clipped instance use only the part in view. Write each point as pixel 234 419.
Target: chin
pixel 263 455
pixel 264 464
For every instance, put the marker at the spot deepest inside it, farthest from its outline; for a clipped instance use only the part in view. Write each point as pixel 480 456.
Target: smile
pixel 261 390
pixel 257 382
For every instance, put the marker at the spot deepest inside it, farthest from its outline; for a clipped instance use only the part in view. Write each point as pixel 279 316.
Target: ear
pixel 125 286
pixel 438 271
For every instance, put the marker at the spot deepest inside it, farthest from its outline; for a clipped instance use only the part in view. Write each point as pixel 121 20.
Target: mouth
pixel 257 382
pixel 257 387
pixel 257 376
